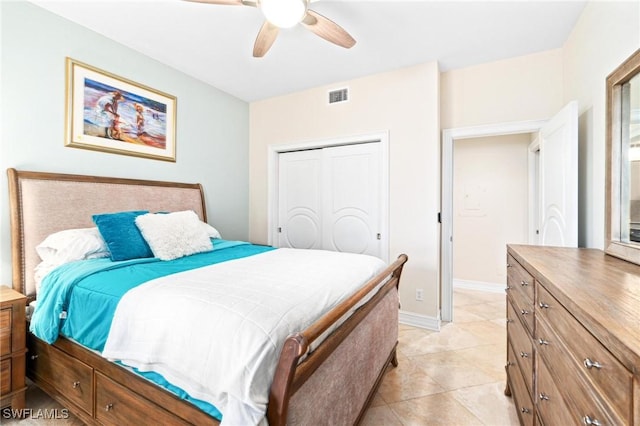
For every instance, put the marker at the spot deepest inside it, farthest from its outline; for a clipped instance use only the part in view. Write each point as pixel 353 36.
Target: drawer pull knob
pixel 543 397
pixel 523 283
pixel 524 355
pixel 589 421
pixel 543 305
pixel 592 364
pixel 508 288
pixel 524 312
pixel 34 357
pixel 76 384
pixel 509 265
pixel 524 410
pixel 543 342
pixel 108 407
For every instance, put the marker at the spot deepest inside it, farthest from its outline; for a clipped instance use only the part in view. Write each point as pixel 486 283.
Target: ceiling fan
pixel 285 14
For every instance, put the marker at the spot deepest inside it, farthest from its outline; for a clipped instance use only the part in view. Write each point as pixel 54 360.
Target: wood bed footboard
pixel 309 387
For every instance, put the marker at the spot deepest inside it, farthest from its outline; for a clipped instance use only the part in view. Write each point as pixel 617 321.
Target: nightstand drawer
pixel 73 379
pixel 520 340
pixel 5 376
pixel 519 390
pixel 5 332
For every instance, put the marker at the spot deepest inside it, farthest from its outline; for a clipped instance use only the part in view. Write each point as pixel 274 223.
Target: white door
pixel 558 174
pixel 330 198
pixel 300 199
pixel 352 194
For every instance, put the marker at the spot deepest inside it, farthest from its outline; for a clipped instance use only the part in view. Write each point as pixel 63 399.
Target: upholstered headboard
pixel 44 203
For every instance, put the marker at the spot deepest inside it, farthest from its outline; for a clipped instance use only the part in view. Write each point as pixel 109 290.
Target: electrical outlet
pixel 419 295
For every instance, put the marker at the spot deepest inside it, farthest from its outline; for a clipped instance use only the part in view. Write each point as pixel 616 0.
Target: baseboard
pixel 479 286
pixel 418 320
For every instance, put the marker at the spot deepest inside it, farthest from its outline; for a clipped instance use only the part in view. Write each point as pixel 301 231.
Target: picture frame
pixel 105 112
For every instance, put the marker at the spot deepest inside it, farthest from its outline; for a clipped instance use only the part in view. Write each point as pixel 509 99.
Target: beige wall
pixel 406 104
pixel 516 89
pixel 605 35
pixel 490 188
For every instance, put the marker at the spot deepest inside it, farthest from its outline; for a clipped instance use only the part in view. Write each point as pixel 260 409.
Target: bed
pixel 326 372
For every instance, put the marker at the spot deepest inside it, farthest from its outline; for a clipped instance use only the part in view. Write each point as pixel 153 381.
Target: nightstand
pixel 12 348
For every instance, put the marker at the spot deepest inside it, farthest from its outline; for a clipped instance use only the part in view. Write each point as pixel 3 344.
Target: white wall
pixel 405 103
pixel 490 197
pixel 212 126
pixel 605 35
pixel 517 89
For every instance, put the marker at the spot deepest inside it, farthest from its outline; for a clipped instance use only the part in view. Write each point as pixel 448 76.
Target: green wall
pixel 212 126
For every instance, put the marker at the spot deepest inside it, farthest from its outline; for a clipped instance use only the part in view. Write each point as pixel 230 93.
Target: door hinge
pixel 279 229
pixel 439 217
pixel 379 236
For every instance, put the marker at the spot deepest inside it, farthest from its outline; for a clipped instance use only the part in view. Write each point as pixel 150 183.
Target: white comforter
pixel 217 331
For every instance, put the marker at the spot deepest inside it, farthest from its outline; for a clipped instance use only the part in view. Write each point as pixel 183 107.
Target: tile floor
pixel 454 377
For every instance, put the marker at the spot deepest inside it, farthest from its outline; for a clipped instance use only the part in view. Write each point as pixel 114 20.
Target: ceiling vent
pixel 338 95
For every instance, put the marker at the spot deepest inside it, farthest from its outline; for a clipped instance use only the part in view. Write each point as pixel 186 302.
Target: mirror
pixel 623 161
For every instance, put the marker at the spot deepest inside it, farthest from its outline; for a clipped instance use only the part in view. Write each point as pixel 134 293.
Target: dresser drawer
pixel 551 407
pixel 116 405
pixel 520 340
pixel 5 331
pixel 594 362
pixel 524 309
pixel 578 391
pixel 519 390
pixel 519 279
pixel 71 378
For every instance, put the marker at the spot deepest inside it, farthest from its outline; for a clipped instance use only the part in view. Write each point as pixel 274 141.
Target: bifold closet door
pixel 330 198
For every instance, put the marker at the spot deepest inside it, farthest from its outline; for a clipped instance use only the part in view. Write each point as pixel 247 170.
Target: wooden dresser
pixel 12 348
pixel 573 336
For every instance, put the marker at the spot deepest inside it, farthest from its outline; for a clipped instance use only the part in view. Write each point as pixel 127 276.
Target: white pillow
pixel 174 235
pixel 72 244
pixel 211 231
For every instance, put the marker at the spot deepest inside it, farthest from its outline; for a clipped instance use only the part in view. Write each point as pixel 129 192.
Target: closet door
pixel 352 194
pixel 300 199
pixel 330 199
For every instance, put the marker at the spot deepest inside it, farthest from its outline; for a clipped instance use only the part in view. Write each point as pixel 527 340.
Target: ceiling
pixel 214 43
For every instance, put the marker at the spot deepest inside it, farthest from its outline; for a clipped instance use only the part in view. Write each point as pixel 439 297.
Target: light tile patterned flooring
pixel 454 377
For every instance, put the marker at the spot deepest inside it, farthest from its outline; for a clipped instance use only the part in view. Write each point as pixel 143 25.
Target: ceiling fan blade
pixel 327 29
pixel 265 39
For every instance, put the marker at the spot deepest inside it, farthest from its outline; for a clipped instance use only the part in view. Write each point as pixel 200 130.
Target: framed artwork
pixel 112 114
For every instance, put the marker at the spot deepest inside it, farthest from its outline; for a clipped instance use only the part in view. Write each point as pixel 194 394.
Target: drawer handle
pixel 34 357
pixel 509 265
pixel 524 355
pixel 589 364
pixel 524 312
pixel 589 421
pixel 543 305
pixel 509 364
pixel 523 283
pixel 524 410
pixel 108 407
pixel 508 288
pixel 543 342
pixel 543 397
pixel 76 384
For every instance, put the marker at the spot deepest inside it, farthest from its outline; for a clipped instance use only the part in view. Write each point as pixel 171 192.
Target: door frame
pixel 273 176
pixel 449 136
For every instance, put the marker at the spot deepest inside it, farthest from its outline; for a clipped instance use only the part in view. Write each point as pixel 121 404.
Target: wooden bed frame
pixel 333 384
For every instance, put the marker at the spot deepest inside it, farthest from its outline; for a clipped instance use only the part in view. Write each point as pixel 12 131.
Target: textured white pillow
pixel 211 231
pixel 174 235
pixel 72 244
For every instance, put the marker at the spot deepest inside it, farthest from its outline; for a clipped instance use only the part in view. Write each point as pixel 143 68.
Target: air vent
pixel 339 95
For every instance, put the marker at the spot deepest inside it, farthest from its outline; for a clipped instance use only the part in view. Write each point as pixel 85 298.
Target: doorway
pixel 448 138
pixel 556 197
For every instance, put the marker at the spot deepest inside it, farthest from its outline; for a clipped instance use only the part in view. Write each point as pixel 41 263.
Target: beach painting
pixel 112 114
